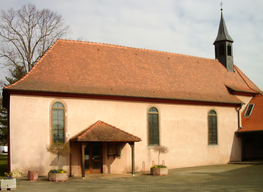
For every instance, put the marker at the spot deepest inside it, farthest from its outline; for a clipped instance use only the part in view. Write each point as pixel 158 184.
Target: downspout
pixel 8 138
pixel 239 127
pixel 239 116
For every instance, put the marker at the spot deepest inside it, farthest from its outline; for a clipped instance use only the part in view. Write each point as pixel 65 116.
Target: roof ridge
pixel 41 58
pixel 102 122
pixel 123 46
pixel 87 129
pixel 241 75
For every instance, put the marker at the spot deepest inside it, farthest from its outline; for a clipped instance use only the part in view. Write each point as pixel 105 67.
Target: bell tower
pixel 223 46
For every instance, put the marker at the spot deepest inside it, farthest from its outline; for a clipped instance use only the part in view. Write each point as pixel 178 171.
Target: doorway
pixel 92 158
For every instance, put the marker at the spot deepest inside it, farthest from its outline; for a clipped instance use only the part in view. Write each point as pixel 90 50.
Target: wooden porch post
pixel 70 160
pixel 133 164
pixel 82 146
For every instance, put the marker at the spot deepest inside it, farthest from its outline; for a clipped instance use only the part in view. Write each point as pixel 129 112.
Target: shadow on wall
pixel 114 151
pixel 236 150
pixel 128 169
pixel 43 166
pixel 63 161
pixel 76 158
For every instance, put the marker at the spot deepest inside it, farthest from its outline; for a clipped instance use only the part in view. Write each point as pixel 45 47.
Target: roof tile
pixel 102 69
pixel 101 131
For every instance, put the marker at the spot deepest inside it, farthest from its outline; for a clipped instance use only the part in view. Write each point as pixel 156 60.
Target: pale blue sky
pixel 179 26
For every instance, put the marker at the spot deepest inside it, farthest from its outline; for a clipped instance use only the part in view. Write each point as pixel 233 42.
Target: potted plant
pixel 57 175
pixel 32 175
pixel 8 182
pixel 159 169
pixel 59 149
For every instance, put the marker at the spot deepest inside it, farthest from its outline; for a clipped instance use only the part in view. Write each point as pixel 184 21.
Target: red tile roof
pixel 101 131
pixel 255 121
pixel 103 69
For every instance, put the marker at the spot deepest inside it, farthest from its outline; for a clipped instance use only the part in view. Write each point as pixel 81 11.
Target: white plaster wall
pixel 29 133
pixel 183 129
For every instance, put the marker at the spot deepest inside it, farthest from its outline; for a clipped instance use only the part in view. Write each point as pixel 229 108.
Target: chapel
pixel 114 104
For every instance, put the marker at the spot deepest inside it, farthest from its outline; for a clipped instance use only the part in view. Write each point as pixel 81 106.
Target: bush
pixel 159 166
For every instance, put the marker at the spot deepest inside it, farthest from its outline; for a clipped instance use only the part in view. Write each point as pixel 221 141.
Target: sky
pixel 179 26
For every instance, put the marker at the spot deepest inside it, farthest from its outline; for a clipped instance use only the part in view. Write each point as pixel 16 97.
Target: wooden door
pixel 92 158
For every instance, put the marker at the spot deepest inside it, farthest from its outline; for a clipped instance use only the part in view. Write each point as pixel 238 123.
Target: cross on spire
pixel 221 4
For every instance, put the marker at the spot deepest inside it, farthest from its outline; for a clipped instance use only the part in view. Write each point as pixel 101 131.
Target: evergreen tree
pixel 3 124
pixel 15 74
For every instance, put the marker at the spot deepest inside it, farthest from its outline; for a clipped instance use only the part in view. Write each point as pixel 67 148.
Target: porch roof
pixel 254 122
pixel 101 131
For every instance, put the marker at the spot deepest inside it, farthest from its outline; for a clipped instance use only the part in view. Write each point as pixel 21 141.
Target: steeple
pixel 223 46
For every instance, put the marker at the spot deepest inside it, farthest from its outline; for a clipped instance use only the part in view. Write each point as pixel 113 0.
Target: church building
pixel 113 104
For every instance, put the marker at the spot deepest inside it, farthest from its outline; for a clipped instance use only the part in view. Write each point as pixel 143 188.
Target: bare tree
pixel 59 149
pixel 159 150
pixel 26 34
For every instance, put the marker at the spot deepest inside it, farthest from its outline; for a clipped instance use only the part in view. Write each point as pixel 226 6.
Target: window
pixel 212 128
pixel 58 123
pixel 249 110
pixel 153 126
pixel 221 50
pixel 229 51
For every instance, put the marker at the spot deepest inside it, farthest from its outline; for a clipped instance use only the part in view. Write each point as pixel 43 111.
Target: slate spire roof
pixel 85 68
pixel 222 31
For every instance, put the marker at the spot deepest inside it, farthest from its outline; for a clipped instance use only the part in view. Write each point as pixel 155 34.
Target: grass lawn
pixel 3 165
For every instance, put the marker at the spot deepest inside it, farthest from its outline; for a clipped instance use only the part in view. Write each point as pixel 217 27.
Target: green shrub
pixel 159 166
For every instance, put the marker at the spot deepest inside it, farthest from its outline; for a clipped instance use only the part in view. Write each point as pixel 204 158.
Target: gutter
pixel 122 98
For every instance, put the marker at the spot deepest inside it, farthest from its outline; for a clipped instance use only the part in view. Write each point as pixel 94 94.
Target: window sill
pixel 213 145
pixel 152 146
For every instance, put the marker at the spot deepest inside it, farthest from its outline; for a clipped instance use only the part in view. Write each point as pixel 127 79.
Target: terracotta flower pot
pixel 57 177
pixel 32 175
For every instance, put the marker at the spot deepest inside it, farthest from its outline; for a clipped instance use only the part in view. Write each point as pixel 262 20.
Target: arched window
pixel 153 126
pixel 58 122
pixel 212 128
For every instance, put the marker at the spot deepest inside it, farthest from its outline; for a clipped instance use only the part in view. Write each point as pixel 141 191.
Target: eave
pixel 8 92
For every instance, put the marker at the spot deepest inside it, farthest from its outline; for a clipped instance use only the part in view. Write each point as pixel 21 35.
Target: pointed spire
pixel 223 46
pixel 222 31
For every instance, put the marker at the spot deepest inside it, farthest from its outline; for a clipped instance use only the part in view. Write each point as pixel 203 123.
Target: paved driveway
pixel 206 178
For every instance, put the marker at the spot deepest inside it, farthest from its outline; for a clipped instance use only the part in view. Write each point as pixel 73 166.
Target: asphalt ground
pixel 230 177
